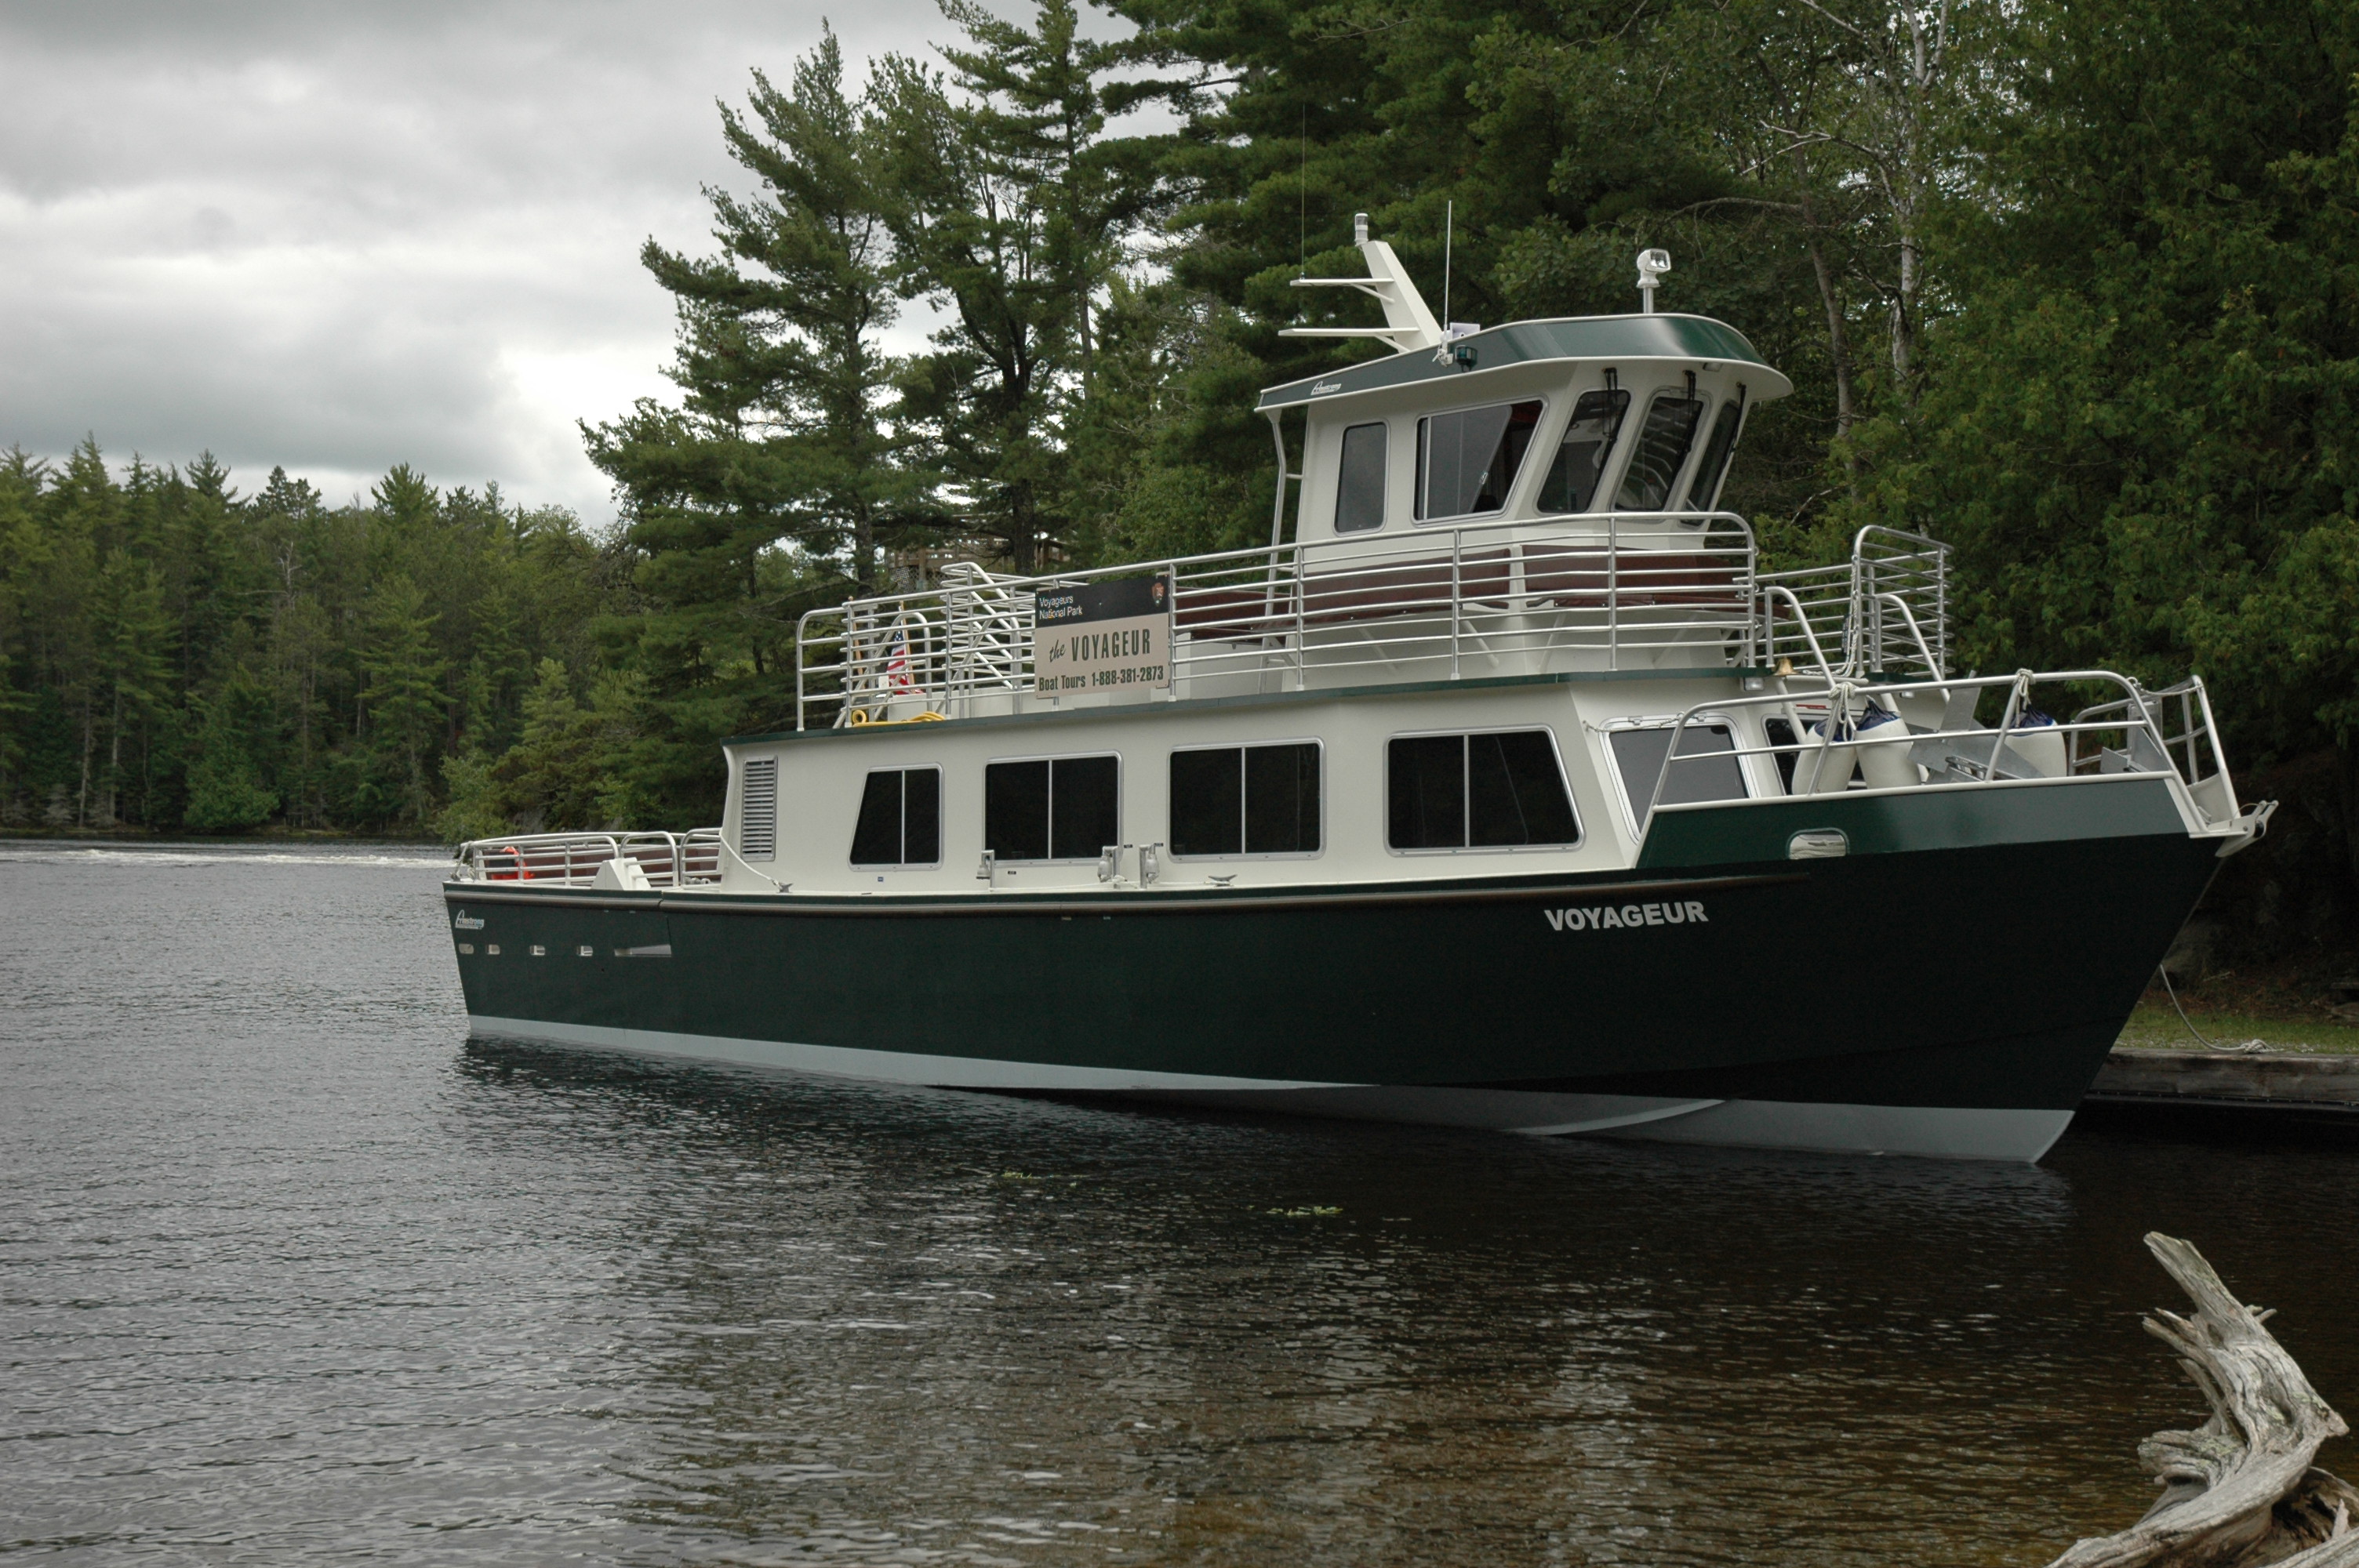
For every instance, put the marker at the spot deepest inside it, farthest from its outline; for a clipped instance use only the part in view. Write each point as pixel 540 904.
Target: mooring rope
pixel 2248 1046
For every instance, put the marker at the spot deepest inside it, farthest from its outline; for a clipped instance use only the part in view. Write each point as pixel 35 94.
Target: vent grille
pixel 757 811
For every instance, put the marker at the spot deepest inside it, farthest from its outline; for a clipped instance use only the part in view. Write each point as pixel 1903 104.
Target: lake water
pixel 289 1270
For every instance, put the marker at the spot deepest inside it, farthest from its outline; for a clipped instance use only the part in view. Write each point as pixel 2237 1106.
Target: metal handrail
pixel 667 860
pixel 2134 712
pixel 1817 652
pixel 1503 587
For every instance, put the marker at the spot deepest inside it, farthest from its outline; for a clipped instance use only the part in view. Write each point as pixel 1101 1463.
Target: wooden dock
pixel 2285 1081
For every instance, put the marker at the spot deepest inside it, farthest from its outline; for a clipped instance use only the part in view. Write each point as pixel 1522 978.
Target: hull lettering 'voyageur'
pixel 1508 793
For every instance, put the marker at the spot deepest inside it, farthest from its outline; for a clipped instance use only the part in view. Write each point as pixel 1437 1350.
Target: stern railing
pixel 574 859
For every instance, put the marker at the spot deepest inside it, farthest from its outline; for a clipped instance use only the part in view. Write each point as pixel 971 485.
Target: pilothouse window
pixel 1360 480
pixel 1061 808
pixel 1705 487
pixel 900 819
pixel 1571 482
pixel 1499 790
pixel 1245 800
pixel 1466 461
pixel 1664 437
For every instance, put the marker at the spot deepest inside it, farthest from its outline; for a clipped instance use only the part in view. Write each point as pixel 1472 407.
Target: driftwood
pixel 2240 1490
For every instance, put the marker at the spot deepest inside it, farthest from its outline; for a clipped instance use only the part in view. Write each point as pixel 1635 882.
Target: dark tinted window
pixel 1716 448
pixel 1467 461
pixel 1066 810
pixel 1016 810
pixel 1251 800
pixel 921 819
pixel 1457 791
pixel 1360 483
pixel 1282 800
pixel 1515 790
pixel 1083 811
pixel 1639 754
pixel 876 838
pixel 1571 482
pixel 900 819
pixel 1208 809
pixel 1425 789
pixel 1663 440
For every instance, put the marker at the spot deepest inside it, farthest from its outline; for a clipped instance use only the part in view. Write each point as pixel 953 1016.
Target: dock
pixel 2319 1083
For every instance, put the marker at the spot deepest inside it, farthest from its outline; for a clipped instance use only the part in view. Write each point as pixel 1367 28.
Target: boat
pixel 1504 789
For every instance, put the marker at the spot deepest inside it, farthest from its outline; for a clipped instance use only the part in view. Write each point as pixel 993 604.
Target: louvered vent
pixel 757 811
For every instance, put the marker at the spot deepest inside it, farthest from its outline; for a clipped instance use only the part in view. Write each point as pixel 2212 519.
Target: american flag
pixel 897 666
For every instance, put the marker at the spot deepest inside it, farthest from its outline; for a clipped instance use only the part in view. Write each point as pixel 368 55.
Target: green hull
pixel 1979 950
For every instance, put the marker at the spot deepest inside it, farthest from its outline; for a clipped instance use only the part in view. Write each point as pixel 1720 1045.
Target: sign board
pixel 1102 636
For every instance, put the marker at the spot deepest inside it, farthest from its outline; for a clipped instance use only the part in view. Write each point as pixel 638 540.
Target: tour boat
pixel 1503 790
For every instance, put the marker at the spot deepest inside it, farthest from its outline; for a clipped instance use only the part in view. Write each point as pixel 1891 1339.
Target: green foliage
pixel 173 654
pixel 2072 286
pixel 227 793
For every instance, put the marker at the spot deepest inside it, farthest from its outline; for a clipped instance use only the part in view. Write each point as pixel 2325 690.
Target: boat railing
pixel 574 859
pixel 1505 597
pixel 1443 602
pixel 1884 612
pixel 1847 723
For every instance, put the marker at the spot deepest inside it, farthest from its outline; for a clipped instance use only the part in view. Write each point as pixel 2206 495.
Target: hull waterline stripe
pixel 882 1066
pixel 1931 1132
pixel 1208 903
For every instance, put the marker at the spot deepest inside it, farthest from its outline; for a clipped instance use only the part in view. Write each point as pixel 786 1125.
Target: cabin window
pixel 1466 461
pixel 758 810
pixel 1664 437
pixel 1638 757
pixel 1245 800
pixel 1360 480
pixel 1716 449
pixel 900 818
pixel 1060 808
pixel 1504 789
pixel 1571 481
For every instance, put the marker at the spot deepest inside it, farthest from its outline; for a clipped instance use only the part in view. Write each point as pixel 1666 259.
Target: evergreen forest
pixel 2074 286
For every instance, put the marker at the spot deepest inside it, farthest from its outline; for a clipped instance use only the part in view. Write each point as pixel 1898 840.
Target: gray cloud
pixel 340 237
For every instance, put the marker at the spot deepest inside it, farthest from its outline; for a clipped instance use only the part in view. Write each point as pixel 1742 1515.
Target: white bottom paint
pixel 1931 1132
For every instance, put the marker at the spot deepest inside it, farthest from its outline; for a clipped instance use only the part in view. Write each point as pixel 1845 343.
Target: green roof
pixel 1588 338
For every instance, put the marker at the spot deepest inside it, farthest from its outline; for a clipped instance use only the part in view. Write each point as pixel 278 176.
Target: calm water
pixel 288 1271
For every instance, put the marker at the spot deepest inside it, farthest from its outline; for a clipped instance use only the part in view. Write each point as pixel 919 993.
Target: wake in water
pixel 53 852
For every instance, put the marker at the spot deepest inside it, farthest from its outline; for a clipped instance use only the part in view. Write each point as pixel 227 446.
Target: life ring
pixel 520 872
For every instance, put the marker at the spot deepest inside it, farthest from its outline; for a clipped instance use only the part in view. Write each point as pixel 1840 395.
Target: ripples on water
pixel 288 1271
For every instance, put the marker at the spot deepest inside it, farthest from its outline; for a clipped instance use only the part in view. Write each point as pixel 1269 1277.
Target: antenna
pixel 1448 227
pixel 1652 264
pixel 1302 201
pixel 1408 323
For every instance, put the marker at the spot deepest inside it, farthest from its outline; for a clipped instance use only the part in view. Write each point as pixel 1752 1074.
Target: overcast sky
pixel 340 236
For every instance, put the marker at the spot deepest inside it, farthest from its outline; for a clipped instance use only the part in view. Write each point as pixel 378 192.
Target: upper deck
pixel 1535 499
pixel 1607 592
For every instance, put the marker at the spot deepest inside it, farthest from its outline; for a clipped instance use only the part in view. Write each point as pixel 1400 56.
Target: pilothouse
pixel 1502 789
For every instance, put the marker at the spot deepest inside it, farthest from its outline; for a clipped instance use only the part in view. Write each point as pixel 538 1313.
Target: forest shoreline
pixel 164 837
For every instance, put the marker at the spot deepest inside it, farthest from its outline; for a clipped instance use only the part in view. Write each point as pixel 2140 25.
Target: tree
pixel 1010 208
pixel 402 703
pixel 226 792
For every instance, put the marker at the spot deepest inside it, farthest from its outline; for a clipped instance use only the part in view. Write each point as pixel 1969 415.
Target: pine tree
pixel 1011 206
pixel 779 466
pixel 226 790
pixel 403 701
